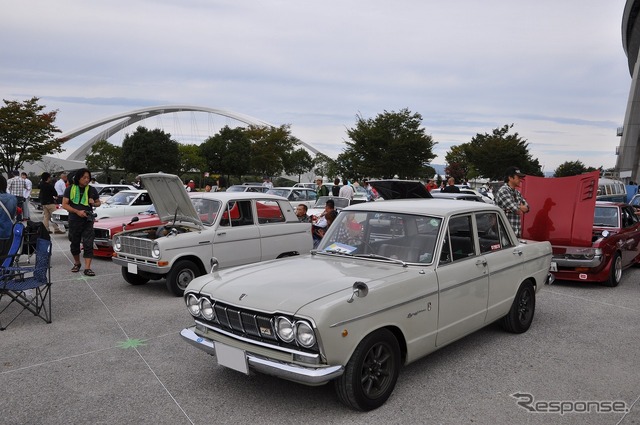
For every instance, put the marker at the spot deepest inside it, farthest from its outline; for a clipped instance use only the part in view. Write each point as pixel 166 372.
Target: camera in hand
pixel 91 216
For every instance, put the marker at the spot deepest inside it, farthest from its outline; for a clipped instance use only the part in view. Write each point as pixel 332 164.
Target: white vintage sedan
pixel 203 228
pixel 125 202
pixel 390 282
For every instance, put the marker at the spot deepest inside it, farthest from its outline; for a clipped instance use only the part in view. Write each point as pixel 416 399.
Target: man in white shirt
pixel 60 186
pixel 27 195
pixel 346 191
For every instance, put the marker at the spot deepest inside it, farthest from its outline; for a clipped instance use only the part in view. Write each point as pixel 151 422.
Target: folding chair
pixel 15 280
pixel 10 258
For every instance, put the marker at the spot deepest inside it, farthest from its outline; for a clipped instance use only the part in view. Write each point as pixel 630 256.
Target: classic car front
pixel 105 229
pixel 238 228
pixel 391 282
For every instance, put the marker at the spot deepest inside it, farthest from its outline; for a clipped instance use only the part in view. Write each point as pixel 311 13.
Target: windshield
pixel 122 198
pixel 405 237
pixel 338 202
pixel 207 209
pixel 606 217
pixel 279 192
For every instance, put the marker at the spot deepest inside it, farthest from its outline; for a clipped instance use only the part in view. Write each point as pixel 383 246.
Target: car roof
pixel 225 196
pixel 438 207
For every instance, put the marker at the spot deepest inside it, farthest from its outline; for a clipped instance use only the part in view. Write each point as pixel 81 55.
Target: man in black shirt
pixel 48 197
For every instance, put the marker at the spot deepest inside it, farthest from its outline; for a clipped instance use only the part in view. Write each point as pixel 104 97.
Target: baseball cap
pixel 514 171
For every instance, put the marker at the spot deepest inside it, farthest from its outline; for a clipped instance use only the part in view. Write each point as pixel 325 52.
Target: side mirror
pixel 360 290
pixel 215 264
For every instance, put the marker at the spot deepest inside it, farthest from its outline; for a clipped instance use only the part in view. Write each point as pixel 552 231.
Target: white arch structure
pixel 130 118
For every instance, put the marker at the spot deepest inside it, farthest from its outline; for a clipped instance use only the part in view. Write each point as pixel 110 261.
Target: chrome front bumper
pixel 289 371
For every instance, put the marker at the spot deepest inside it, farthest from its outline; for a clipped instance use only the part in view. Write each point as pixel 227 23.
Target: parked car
pixel 615 247
pixel 125 202
pixel 105 229
pixel 321 203
pixel 295 195
pixel 593 241
pixel 247 188
pixel 461 196
pixel 223 228
pixel 390 282
pixel 106 190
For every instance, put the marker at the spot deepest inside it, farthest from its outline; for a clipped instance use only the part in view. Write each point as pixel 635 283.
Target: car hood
pixel 289 284
pixel 400 189
pixel 109 223
pixel 561 209
pixel 170 198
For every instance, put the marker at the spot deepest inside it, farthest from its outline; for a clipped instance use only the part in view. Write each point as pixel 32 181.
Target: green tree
pixel 324 166
pixel 268 148
pixel 26 133
pixel 572 168
pixel 392 143
pixel 149 151
pixel 297 162
pixel 491 154
pixel 104 157
pixel 228 152
pixel 191 159
pixel 458 164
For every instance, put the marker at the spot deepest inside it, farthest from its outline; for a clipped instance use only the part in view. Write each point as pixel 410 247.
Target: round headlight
pixel 284 329
pixel 155 250
pixel 117 243
pixel 206 309
pixel 193 304
pixel 305 335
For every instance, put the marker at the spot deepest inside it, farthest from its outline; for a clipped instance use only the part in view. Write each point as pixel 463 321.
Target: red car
pixel 106 228
pixel 592 241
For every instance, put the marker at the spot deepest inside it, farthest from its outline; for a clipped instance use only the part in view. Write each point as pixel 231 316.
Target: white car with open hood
pixel 206 228
pixel 390 282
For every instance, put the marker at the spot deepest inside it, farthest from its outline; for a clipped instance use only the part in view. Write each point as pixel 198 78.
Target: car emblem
pixel 243 296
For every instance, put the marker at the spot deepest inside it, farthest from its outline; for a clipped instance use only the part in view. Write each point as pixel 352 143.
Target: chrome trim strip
pixel 290 371
pixel 383 309
pixel 315 357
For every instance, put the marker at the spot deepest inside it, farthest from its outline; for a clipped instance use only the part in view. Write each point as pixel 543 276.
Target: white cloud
pixel 555 69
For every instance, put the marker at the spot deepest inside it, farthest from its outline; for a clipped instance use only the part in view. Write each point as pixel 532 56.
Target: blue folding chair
pixel 15 280
pixel 10 258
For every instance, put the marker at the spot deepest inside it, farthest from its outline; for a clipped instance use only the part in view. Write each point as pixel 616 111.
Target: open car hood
pixel 170 198
pixel 561 209
pixel 400 189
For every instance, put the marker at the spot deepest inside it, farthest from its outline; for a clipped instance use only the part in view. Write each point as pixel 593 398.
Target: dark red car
pixel 593 241
pixel 104 229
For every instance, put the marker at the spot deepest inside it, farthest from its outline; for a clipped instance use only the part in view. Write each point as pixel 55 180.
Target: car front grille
pixel 135 246
pixel 100 233
pixel 250 324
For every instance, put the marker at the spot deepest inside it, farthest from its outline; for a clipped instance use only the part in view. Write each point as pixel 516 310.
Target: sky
pixel 556 70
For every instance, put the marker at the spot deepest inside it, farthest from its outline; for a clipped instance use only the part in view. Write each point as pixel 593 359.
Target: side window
pixel 269 212
pixel 311 195
pixel 461 237
pixel 504 235
pixel 488 233
pixel 237 213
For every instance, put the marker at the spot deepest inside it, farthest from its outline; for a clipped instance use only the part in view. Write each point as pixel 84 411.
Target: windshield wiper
pixel 382 257
pixel 335 251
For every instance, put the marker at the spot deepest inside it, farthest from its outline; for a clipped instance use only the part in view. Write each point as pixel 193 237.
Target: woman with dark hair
pixel 79 199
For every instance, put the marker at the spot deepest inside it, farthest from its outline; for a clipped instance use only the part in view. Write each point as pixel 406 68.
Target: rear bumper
pixel 289 371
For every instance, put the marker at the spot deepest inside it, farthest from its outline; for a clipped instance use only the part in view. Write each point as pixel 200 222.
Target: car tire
pixel 520 316
pixel 133 279
pixel 615 271
pixel 371 374
pixel 181 274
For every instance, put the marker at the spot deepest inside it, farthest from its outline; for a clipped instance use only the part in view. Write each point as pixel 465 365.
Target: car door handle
pixel 482 262
pixel 222 233
pixel 517 252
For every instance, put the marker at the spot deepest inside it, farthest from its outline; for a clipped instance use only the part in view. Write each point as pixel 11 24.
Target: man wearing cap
pixel 321 190
pixel 510 199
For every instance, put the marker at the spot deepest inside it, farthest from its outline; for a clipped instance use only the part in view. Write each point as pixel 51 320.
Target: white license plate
pixel 554 267
pixel 231 357
pixel 132 268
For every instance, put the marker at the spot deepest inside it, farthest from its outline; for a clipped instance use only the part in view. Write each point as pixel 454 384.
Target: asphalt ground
pixel 113 355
